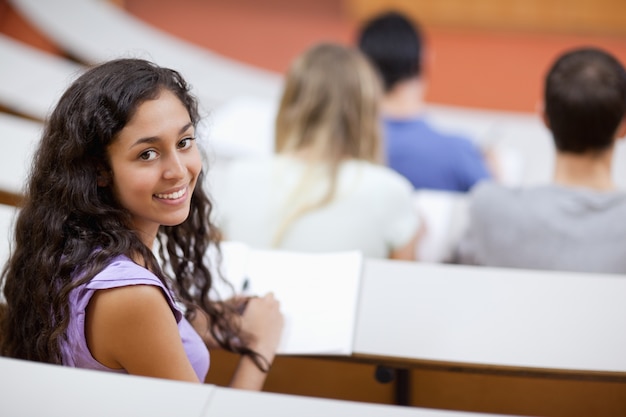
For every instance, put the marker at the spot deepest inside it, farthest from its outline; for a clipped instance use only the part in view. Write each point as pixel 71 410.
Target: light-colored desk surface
pixel 7 220
pixel 32 81
pixel 528 321
pixel 35 389
pixel 233 403
pixel 19 138
pixel 85 29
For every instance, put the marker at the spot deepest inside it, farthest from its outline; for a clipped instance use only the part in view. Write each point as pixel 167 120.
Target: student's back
pixel 431 159
pixel 323 190
pixel 371 211
pixel 550 228
pixel 577 223
pixel 414 148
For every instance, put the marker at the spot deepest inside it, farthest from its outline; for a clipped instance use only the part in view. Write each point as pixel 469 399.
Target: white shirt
pixel 372 210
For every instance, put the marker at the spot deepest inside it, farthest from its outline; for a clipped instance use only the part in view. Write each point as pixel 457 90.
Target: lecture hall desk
pixel 36 389
pixel 474 338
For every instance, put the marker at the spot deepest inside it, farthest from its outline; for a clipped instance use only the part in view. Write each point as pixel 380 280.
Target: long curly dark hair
pixel 67 223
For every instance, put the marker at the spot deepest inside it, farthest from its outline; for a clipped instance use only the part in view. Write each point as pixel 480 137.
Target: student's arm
pixel 135 329
pixel 407 252
pixel 403 225
pixel 263 321
pixel 492 163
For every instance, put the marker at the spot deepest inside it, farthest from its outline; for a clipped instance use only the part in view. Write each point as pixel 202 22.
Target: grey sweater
pixel 549 227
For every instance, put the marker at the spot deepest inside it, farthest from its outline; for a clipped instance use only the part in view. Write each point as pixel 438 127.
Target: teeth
pixel 172 196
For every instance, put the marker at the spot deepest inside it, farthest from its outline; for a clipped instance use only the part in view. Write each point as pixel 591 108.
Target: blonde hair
pixel 329 112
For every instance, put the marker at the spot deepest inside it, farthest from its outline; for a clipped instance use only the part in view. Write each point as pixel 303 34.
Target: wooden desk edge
pixel 10 199
pixel 484 369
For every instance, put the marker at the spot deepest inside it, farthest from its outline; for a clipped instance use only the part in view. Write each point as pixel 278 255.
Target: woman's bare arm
pixel 133 328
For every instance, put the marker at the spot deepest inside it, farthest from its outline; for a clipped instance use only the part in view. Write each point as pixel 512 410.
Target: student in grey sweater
pixel 577 223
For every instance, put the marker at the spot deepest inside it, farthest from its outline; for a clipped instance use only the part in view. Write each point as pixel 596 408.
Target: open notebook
pixel 318 293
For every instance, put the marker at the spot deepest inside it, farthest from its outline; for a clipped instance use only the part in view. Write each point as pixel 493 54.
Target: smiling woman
pixel 115 172
pixel 156 165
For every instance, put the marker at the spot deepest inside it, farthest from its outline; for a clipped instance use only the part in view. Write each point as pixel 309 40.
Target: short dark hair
pixel 394 45
pixel 585 100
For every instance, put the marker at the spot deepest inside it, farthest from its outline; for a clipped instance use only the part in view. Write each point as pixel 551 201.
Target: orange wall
pixel 606 17
pixel 15 26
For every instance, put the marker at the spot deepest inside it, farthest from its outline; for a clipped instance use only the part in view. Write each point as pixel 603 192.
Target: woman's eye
pixel 185 143
pixel 148 155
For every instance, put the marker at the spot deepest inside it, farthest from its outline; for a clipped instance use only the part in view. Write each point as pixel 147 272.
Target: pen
pixel 245 285
pixel 244 288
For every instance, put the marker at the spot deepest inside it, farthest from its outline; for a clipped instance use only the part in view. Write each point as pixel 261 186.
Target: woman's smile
pixel 174 196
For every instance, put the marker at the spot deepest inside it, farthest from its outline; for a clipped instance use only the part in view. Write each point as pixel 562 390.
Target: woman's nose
pixel 175 166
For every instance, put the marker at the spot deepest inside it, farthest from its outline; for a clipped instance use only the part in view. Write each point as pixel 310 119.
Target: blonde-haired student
pixel 324 189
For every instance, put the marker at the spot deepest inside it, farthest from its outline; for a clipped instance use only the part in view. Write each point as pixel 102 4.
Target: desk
pixel 20 138
pixel 549 323
pixel 32 81
pixel 8 215
pixel 500 340
pixel 35 389
pixel 229 402
pixel 475 338
pixel 83 28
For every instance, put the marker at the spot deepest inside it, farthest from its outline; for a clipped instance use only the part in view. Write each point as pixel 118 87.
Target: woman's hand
pixel 264 322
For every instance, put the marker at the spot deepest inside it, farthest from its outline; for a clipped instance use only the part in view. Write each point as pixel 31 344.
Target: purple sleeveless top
pixel 122 272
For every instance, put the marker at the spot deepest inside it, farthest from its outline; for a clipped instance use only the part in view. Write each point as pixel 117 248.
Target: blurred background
pixel 482 53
